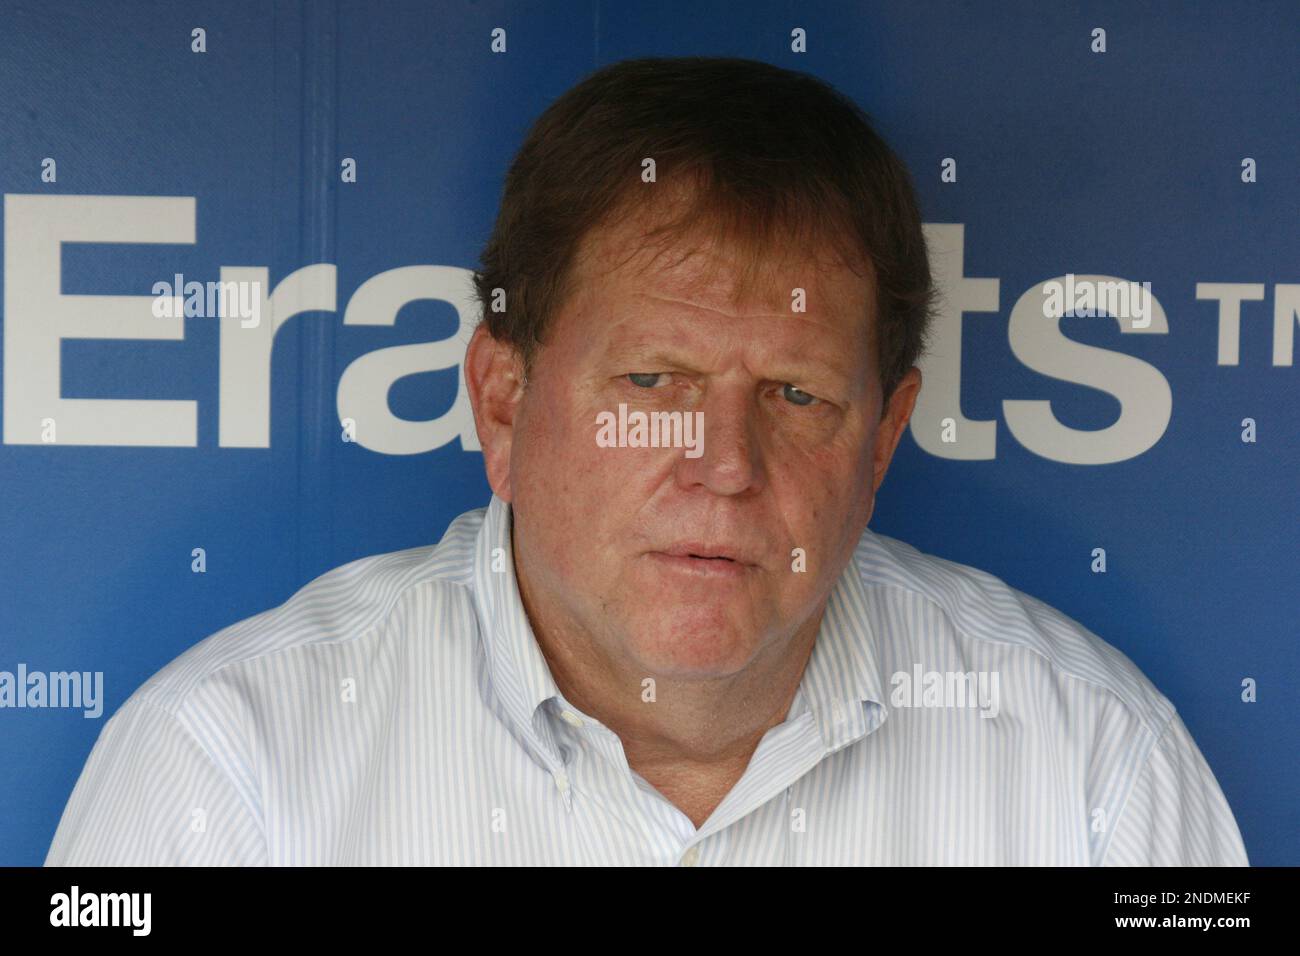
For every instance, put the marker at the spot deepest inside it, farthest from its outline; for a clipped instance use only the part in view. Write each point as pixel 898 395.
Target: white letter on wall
pixel 38 316
pixel 364 385
pixel 1142 390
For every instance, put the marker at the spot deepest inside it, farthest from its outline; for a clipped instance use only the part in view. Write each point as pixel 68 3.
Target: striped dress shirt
pixel 397 710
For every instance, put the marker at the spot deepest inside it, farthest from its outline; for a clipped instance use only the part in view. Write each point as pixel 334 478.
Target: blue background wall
pixel 1123 163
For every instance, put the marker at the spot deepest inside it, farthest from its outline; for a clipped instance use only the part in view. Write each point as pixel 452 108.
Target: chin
pixel 690 644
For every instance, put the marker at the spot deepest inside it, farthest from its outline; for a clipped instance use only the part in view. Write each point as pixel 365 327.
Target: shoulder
pixel 345 604
pixel 982 609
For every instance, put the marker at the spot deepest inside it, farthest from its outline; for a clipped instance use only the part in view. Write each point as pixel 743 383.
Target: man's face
pixel 688 567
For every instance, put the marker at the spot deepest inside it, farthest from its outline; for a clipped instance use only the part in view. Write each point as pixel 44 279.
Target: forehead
pixel 696 275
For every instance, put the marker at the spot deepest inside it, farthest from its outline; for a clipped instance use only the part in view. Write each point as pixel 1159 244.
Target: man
pixel 670 638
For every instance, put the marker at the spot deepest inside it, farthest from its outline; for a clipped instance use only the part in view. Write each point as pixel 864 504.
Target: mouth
pixel 704 560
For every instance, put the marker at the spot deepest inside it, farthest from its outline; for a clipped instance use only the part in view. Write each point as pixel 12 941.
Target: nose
pixel 731 462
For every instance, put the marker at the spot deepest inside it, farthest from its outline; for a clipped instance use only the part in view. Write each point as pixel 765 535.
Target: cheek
pixel 575 492
pixel 553 450
pixel 824 499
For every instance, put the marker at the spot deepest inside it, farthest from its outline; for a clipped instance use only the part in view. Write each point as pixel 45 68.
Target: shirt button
pixel 562 781
pixel 691 857
pixel 571 718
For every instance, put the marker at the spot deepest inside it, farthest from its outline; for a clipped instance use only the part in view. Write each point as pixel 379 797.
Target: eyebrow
pixel 656 357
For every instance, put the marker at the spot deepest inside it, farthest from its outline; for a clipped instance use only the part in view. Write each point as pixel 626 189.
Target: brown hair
pixel 770 159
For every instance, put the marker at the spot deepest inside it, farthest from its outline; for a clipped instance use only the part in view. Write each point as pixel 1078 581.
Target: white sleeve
pixel 1175 814
pixel 150 795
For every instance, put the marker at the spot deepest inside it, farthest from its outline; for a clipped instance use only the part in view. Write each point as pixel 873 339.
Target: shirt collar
pixel 840 685
pixel 519 672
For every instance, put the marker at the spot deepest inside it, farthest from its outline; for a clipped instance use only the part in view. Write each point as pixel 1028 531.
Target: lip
pixel 701 549
pixel 703 561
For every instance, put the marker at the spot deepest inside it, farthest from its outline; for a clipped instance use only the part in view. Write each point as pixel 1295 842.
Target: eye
pixel 797 396
pixel 646 379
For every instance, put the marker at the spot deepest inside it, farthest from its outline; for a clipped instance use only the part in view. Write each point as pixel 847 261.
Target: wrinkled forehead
pixel 721 270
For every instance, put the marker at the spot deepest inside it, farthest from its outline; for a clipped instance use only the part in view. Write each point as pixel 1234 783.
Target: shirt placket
pixel 595 759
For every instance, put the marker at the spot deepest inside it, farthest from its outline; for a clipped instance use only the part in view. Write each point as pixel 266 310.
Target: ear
pixel 895 419
pixel 494 379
